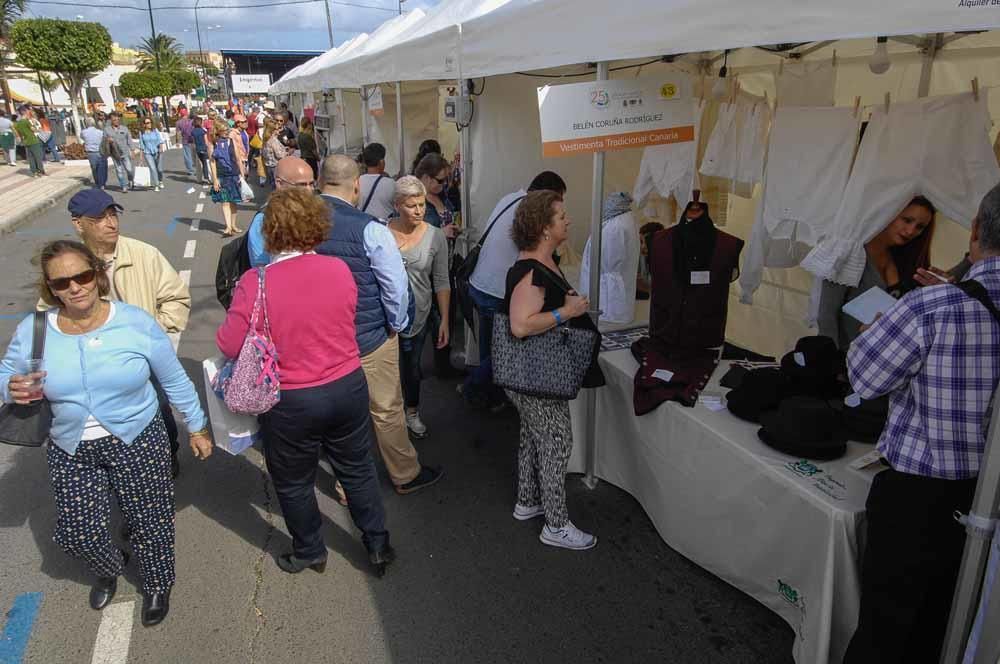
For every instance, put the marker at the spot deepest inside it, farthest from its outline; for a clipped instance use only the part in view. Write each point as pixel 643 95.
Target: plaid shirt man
pixel 937 353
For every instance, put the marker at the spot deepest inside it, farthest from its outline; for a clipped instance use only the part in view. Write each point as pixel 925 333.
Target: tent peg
pixel 857 105
pixel 975 88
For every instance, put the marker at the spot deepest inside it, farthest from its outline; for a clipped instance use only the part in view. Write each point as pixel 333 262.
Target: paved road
pixel 471 583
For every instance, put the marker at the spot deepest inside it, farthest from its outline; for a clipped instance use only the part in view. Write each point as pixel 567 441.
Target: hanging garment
pixel 806 83
pixel 937 147
pixel 721 158
pixel 809 161
pixel 669 170
pixel 619 268
pixel 736 148
pixel 753 145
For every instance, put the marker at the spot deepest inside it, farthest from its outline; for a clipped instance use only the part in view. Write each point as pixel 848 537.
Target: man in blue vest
pixel 369 249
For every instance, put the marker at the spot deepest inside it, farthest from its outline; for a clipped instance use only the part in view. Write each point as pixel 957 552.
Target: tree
pixel 146 84
pixel 169 51
pixel 10 11
pixel 183 81
pixel 72 50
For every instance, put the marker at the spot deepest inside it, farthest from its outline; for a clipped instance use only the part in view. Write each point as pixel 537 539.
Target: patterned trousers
pixel 543 455
pixel 139 476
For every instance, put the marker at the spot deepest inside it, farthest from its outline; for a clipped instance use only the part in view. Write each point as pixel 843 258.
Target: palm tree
pixel 166 47
pixel 10 11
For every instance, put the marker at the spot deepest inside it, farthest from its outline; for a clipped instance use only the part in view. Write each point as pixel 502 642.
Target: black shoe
pixel 104 588
pixel 155 607
pixel 429 475
pixel 289 563
pixel 175 467
pixel 380 560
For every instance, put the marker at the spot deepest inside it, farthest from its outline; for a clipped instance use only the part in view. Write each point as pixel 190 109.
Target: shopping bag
pixel 232 432
pixel 245 190
pixel 141 177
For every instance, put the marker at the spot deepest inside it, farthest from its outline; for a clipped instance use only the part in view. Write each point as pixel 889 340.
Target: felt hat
pixel 804 427
pixel 760 390
pixel 813 367
pixel 864 422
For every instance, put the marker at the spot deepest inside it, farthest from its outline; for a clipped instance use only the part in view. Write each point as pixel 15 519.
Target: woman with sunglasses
pixel 152 147
pixel 107 431
pixel 227 170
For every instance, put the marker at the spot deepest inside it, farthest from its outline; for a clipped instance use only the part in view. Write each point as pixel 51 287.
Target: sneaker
pixel 568 537
pixel 429 475
pixel 415 424
pixel 527 512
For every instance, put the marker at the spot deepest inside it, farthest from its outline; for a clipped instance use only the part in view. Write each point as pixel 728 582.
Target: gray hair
pixel 408 186
pixel 989 221
pixel 89 122
pixel 340 170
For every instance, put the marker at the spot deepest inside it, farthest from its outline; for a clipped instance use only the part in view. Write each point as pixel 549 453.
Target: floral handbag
pixel 249 384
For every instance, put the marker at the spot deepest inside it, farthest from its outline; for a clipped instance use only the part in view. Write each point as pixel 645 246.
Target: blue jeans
pixel 206 174
pixel 479 384
pixel 187 150
pixel 153 161
pixel 123 168
pixel 50 145
pixel 411 349
pixel 98 169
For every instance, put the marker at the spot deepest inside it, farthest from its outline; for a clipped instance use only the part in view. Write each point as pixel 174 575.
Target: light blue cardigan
pixel 105 373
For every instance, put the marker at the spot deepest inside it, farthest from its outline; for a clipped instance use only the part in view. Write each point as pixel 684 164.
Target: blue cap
pixel 91 203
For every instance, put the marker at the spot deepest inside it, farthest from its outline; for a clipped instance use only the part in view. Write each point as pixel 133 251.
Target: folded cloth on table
pixel 686 375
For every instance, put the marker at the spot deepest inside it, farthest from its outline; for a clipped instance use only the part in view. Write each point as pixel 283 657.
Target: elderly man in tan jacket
pixel 139 274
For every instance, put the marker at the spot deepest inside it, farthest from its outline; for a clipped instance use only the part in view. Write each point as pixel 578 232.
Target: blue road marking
pixel 17 316
pixel 17 631
pixel 172 226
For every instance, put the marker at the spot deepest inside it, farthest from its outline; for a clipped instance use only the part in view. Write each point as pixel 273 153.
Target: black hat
pixel 864 422
pixel 760 390
pixel 804 427
pixel 813 367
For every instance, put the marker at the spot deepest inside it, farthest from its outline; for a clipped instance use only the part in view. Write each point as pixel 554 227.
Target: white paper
pixel 664 375
pixel 869 304
pixel 701 278
pixel 800 359
pixel 852 400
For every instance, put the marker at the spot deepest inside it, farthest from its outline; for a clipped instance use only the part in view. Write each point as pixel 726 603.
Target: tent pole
pixel 464 139
pixel 597 199
pixel 399 129
pixel 343 116
pixel 364 115
pixel 965 601
pixel 930 49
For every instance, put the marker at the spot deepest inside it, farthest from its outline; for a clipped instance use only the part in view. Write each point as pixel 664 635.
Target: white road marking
pixel 189 248
pixel 196 223
pixel 190 190
pixel 199 208
pixel 114 634
pixel 201 195
pixel 185 276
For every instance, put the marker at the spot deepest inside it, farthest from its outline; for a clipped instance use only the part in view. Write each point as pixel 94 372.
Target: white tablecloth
pixel 784 530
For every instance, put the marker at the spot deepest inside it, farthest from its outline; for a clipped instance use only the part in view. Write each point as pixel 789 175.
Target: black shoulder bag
pixel 977 292
pixel 371 194
pixel 28 425
pixel 462 268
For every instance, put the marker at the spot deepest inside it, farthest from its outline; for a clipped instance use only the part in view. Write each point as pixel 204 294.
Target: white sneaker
pixel 568 537
pixel 415 425
pixel 527 512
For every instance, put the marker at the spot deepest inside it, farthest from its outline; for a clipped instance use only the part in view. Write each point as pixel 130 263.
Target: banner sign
pixel 582 118
pixel 375 107
pixel 249 83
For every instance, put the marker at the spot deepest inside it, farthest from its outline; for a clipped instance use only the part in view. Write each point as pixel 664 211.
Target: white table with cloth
pixel 784 530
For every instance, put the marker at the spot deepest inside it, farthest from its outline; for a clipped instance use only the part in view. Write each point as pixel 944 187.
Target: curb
pixel 40 207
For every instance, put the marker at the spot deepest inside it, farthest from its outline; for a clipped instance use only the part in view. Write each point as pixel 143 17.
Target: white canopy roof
pixel 506 36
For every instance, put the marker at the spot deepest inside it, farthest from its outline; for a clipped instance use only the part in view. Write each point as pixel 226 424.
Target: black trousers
pixel 910 567
pixel 168 417
pixel 333 417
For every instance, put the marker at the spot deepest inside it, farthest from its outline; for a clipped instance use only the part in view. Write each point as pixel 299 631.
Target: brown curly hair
pixel 532 217
pixel 295 220
pixel 58 248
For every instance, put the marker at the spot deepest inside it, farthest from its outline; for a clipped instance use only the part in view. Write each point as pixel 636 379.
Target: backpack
pixel 234 261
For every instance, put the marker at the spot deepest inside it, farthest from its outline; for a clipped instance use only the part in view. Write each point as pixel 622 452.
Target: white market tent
pixel 505 40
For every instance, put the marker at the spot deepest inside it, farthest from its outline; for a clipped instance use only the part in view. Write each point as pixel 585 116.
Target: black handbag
pixel 550 365
pixel 28 425
pixel 462 268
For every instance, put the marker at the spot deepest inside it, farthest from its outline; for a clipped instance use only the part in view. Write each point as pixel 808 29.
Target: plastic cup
pixel 35 387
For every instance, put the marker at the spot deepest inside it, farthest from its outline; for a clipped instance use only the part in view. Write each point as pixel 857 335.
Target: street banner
pixel 251 83
pixel 375 107
pixel 598 116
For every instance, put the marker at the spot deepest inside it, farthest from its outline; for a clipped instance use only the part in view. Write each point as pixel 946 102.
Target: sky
pixel 288 27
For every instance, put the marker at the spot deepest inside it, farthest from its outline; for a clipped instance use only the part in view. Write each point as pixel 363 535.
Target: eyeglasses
pixel 295 184
pixel 82 279
pixel 441 181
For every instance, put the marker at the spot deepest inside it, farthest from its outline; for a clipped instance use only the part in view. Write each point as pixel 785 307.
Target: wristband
pixel 201 432
pixel 555 314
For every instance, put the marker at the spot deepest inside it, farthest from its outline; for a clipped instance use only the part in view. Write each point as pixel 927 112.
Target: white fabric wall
pixel 421 120
pixel 506 153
